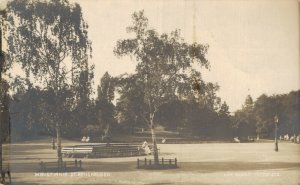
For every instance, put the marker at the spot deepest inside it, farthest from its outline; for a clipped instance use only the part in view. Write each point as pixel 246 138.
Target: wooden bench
pixel 117 152
pixel 76 151
pixel 104 150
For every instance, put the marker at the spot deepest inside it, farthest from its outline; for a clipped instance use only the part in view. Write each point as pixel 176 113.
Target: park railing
pixel 162 163
pixel 64 167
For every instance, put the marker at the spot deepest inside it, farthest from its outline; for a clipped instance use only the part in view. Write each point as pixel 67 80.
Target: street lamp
pixel 2 14
pixel 276 130
pixel 1 63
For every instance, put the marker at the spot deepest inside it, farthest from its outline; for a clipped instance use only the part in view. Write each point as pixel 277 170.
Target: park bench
pixel 104 150
pixel 117 151
pixel 66 166
pixel 77 151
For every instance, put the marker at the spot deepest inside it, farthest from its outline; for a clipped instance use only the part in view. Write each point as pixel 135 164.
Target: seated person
pixel 236 139
pixel 144 144
pixel 146 148
pixel 83 139
pixel 87 139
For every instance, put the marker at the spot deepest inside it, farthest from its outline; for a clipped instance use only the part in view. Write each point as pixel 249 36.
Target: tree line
pixel 49 40
pixel 189 117
pixel 257 117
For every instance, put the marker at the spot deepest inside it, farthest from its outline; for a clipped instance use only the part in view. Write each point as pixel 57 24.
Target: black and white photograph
pixel 149 92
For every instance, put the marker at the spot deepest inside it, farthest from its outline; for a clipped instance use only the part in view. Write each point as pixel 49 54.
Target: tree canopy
pixel 50 41
pixel 164 64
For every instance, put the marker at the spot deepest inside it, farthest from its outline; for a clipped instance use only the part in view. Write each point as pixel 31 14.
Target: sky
pixel 253 45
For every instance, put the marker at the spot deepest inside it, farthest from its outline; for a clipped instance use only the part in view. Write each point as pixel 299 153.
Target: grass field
pixel 199 164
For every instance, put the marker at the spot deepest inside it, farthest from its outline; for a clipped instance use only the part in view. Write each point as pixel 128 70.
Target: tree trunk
pixel 58 138
pixel 155 151
pixel 58 125
pixel 0 147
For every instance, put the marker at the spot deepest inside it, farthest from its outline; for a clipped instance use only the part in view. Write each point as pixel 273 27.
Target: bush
pixel 92 131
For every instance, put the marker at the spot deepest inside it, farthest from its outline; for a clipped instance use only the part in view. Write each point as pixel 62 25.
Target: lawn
pixel 199 164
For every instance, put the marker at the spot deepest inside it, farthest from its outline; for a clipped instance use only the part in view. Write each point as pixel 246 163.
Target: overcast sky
pixel 254 45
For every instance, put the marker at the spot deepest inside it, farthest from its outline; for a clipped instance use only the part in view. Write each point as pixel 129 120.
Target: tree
pixel 4 116
pixel 248 103
pixel 4 66
pixel 285 106
pixel 83 107
pixel 289 113
pixel 104 103
pixel 130 105
pixel 49 39
pixel 244 119
pixel 224 110
pixel 209 98
pixel 164 65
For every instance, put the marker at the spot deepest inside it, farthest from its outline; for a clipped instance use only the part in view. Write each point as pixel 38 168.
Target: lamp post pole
pixel 276 130
pixel 1 66
pixel 2 15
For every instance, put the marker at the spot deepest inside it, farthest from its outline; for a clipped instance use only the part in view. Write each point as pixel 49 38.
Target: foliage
pixel 49 39
pixel 105 109
pixel 164 65
pixel 258 117
pixel 131 109
pixel 163 61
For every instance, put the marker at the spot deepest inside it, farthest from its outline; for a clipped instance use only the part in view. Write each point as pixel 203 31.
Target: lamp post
pixel 1 66
pixel 2 60
pixel 276 130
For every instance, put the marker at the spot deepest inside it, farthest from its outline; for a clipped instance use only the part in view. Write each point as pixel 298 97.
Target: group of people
pixel 85 139
pixel 293 138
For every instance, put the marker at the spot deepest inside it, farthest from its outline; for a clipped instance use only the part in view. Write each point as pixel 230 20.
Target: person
pixel 236 139
pixel 292 138
pixel 298 139
pixel 87 139
pixel 146 148
pixel 144 144
pixel 53 143
pixel 83 139
pixel 163 140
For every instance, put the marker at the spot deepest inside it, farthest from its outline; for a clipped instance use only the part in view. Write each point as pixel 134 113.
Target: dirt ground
pixel 199 164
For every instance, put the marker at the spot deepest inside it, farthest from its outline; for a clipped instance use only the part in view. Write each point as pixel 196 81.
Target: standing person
pixel 53 143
